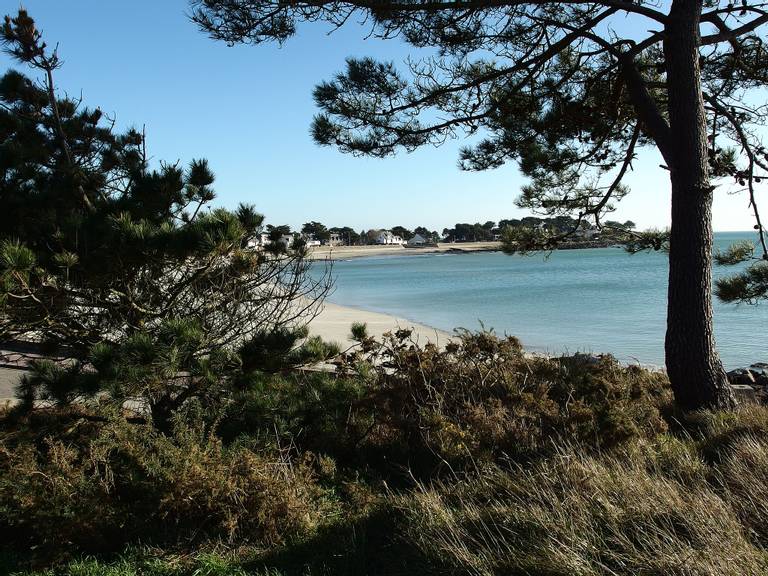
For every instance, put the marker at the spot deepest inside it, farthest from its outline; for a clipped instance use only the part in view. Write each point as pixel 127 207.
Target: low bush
pixel 119 483
pixel 396 408
pixel 483 399
pixel 473 459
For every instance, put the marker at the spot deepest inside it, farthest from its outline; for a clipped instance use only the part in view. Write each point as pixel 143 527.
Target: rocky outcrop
pixel 750 384
pixel 759 372
pixel 741 376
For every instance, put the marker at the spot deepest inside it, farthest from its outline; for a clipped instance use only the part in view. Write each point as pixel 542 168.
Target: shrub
pixel 482 398
pixel 127 483
pixel 311 410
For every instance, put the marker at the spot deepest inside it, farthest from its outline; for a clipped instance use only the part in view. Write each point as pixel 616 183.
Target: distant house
pixel 259 242
pixel 386 237
pixel 309 240
pixel 417 240
pixel 287 240
pixel 334 240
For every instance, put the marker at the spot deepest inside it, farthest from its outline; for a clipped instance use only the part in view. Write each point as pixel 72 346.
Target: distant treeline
pixel 460 232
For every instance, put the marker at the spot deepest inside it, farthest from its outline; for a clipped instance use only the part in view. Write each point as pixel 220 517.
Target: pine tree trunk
pixel 694 367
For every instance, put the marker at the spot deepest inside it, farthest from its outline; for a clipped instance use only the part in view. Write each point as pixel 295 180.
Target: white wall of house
pixel 386 237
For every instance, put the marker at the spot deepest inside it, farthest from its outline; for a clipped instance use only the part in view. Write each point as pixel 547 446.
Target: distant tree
pixel 426 233
pixel 371 236
pixel 276 232
pixel 513 223
pixel 347 235
pixel 404 233
pixel 531 221
pixel 317 231
pixel 122 268
pixel 626 226
pixel 571 91
pixel 463 232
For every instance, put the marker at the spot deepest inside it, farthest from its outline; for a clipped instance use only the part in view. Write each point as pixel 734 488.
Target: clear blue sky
pixel 248 110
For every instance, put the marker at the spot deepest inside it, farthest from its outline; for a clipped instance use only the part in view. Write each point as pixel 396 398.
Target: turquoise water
pixel 597 300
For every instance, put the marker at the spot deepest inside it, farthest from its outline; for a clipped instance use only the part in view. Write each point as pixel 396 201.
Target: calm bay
pixel 594 300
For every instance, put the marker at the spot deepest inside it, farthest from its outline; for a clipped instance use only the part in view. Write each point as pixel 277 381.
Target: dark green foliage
pixel 571 111
pixel 749 285
pixel 143 287
pixel 311 411
pixel 359 331
pixel 403 232
pixel 316 231
pixel 464 232
pixel 276 350
pixel 482 398
pixel 347 235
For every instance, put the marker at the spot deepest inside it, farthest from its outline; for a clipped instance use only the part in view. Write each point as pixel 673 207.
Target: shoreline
pixel 334 324
pixel 341 253
pixel 350 252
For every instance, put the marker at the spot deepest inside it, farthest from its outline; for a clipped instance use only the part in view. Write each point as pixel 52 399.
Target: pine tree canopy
pixel 124 267
pixel 568 90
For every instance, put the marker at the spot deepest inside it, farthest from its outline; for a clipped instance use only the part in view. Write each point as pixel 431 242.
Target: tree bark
pixel 695 371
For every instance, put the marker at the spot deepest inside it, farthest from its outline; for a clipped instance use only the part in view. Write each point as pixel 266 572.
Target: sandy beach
pixel 347 252
pixel 333 324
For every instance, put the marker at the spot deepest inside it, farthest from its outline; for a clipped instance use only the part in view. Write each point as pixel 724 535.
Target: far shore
pixel 348 252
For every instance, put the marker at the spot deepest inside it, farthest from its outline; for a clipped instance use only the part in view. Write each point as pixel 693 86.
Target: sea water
pixel 593 300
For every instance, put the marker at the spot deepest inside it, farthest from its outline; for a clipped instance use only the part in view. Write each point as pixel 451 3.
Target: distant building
pixel 417 240
pixel 386 237
pixel 259 242
pixel 334 240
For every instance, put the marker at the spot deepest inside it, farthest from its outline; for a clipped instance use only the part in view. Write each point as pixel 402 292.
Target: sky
pixel 248 110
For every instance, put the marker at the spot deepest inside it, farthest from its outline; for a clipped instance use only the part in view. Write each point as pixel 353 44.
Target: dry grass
pixel 652 508
pixel 570 466
pixel 124 483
